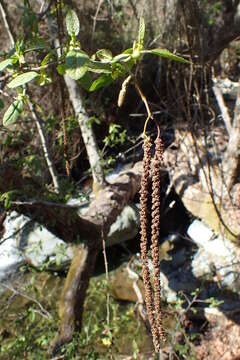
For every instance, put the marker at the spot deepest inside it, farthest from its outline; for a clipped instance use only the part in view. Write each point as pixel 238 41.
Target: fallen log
pixel 102 212
pixel 90 229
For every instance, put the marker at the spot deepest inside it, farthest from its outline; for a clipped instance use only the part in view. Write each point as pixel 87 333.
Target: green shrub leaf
pixel 75 61
pixel 99 67
pixel 86 81
pixel 72 23
pixel 61 69
pixel 166 54
pixel 13 112
pixel 103 80
pixel 104 55
pixel 5 63
pixel 23 79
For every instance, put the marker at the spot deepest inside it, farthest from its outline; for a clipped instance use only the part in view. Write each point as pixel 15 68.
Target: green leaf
pixel 104 55
pixel 1 104
pixel 99 67
pixel 166 54
pixel 103 80
pixel 50 56
pixel 72 23
pixel 86 81
pixel 75 61
pixel 37 43
pixel 23 79
pixel 141 32
pixel 5 63
pixel 124 56
pixel 61 69
pixel 121 57
pixel 12 113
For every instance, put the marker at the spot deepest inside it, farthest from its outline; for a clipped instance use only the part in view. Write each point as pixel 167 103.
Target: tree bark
pixel 73 295
pixel 231 158
pixel 86 130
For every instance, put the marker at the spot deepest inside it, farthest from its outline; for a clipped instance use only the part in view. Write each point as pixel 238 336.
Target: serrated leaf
pixel 99 67
pixel 166 54
pixel 12 113
pixel 141 32
pixel 75 61
pixel 72 23
pixel 104 55
pixel 103 80
pixel 23 79
pixel 5 63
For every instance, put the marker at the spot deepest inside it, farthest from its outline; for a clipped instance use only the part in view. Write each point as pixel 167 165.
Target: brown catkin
pixel 156 173
pixel 147 146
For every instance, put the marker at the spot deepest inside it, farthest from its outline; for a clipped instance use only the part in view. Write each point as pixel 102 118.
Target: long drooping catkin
pixel 156 173
pixel 144 226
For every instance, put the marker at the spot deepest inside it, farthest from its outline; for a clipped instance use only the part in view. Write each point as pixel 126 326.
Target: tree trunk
pixel 73 295
pixel 86 130
pixel 231 159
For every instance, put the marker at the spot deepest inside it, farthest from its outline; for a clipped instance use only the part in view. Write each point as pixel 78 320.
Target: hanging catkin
pixel 144 227
pixel 156 173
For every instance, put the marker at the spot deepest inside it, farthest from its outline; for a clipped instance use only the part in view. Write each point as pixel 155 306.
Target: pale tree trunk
pixel 231 158
pixel 86 130
pixel 37 121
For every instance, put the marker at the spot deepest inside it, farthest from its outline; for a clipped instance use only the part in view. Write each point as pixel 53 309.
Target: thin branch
pixel 43 311
pixel 49 203
pixel 144 100
pixel 107 278
pixel 223 108
pixel 134 9
pixel 96 15
pixel 49 162
pixel 7 23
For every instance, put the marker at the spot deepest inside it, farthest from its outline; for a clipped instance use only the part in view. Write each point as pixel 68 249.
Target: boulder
pixel 10 256
pixel 25 241
pixel 217 258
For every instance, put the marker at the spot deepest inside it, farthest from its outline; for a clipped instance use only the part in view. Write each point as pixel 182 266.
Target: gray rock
pixel 30 242
pixel 41 247
pixel 217 259
pixel 27 241
pixel 10 255
pixel 125 227
pixel 228 88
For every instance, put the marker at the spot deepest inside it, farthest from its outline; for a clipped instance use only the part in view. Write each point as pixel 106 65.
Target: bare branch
pixel 7 23
pixel 43 312
pixel 223 108
pixel 44 147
